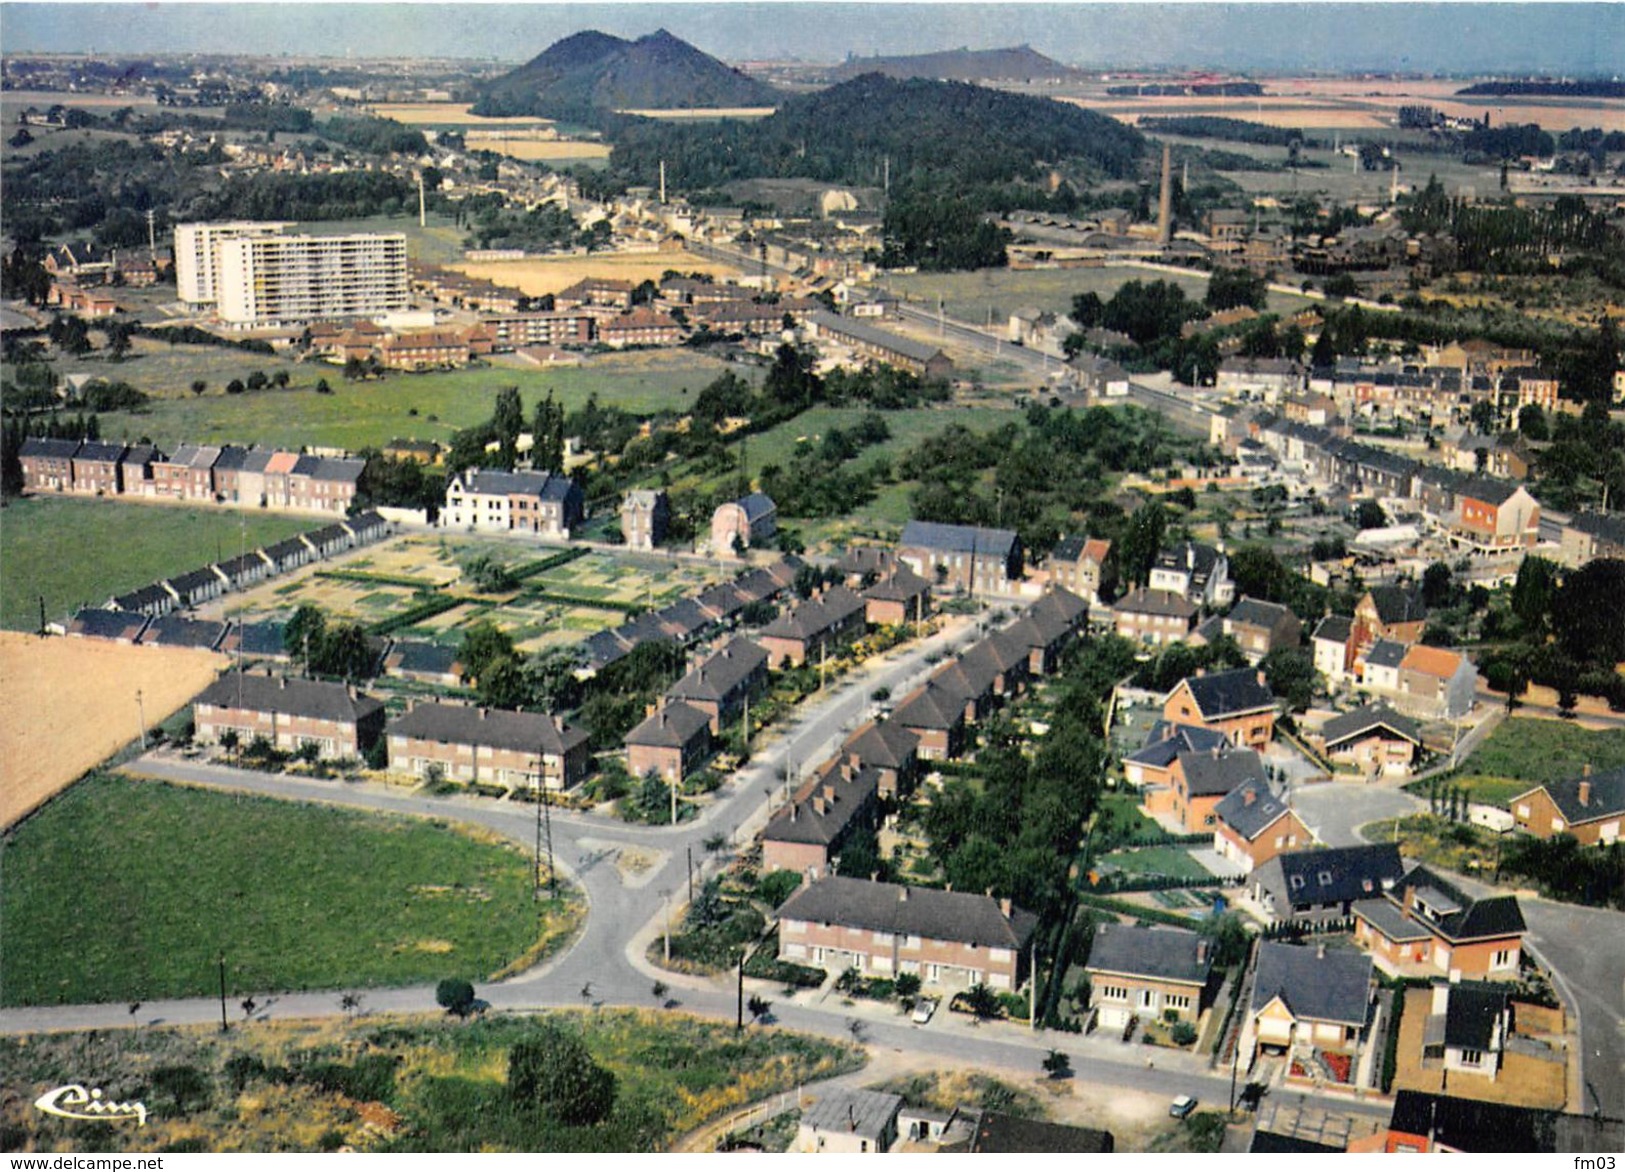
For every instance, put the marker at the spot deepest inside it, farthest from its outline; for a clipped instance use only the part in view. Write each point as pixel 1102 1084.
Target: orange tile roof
pixel 1433 661
pixel 282 462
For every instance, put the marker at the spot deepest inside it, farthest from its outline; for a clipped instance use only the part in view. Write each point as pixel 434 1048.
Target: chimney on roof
pixel 482 714
pixel 902 894
pixel 851 1118
pixel 1190 556
pixel 1215 752
pixel 1585 770
pixel 1201 952
pixel 829 793
pixel 1585 790
pixel 1262 683
pixel 1249 796
pixel 1320 951
pixel 284 682
pixel 1004 908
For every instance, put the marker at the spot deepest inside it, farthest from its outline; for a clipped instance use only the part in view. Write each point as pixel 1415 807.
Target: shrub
pixel 455 996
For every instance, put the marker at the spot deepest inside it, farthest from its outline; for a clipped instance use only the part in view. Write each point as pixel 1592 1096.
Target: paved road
pixel 1335 810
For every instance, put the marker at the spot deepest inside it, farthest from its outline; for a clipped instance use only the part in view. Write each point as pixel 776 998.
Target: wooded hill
pixel 590 73
pixel 929 131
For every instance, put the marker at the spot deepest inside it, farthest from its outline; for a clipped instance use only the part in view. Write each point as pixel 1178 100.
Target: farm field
pixel 703 113
pixel 1523 752
pixel 297 896
pixel 539 275
pixel 71 703
pixel 970 296
pixel 79 552
pixel 403 1082
pixel 534 148
pixel 432 405
pixel 446 114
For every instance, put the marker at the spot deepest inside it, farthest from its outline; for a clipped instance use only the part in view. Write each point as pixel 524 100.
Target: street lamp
pixel 141 713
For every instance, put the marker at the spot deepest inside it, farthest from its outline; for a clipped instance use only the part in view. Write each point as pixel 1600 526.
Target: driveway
pixel 1335 810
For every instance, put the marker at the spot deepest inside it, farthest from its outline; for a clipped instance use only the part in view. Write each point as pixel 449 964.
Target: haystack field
pixel 67 704
pixel 539 275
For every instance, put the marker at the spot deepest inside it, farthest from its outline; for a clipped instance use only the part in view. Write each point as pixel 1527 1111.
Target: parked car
pixel 923 1009
pixel 1182 1106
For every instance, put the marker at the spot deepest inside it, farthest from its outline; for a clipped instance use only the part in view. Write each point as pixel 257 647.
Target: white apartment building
pixel 196 261
pixel 282 280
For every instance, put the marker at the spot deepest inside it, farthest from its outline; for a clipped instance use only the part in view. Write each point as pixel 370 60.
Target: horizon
pixel 1564 39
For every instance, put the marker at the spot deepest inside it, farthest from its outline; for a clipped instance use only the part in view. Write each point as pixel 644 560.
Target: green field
pixel 130 890
pixel 1524 752
pixel 362 414
pixel 78 552
pixel 970 296
pixel 1172 861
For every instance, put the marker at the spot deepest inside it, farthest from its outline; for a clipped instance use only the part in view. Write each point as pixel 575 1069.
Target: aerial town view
pixel 811 578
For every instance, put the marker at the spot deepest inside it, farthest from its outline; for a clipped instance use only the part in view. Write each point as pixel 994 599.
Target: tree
pixel 907 985
pixel 1057 1064
pixel 199 386
pixel 982 1001
pixel 235 387
pixel 1290 672
pixel 455 996
pixel 1436 585
pixel 1369 515
pixel 303 633
pixel 554 1070
pixel 484 645
pixel 758 1006
pixel 1532 422
pixel 1534 592
pixel 1142 542
pixel 1230 288
pixel 1585 612
pixel 507 421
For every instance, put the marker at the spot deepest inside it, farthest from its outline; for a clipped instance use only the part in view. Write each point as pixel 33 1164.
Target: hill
pixel 590 73
pixel 926 131
pixel 1020 64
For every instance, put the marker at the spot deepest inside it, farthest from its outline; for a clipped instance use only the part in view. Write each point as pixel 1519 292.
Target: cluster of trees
pixel 1229 129
pixel 546 227
pixel 329 649
pixel 1505 237
pixel 1567 632
pixel 375 136
pixel 404 484
pixel 815 484
pixel 940 232
pixel 339 195
pixel 1567 871
pixel 1153 313
pixel 507 423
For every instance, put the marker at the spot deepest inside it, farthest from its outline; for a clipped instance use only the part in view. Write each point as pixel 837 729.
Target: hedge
pixel 1123 907
pixel 414 615
pixel 541 566
pixel 381 579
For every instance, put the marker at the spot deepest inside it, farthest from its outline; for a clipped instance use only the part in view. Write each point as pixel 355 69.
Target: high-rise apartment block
pixel 196 266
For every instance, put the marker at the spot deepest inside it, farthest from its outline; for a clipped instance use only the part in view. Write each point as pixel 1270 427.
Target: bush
pixel 1183 1034
pixel 455 996
pixel 555 1071
pixel 777 886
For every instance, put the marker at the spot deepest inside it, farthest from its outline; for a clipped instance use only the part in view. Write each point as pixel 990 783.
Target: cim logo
pixel 75 1102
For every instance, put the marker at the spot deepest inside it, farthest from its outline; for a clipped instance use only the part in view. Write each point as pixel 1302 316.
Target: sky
pixel 1586 39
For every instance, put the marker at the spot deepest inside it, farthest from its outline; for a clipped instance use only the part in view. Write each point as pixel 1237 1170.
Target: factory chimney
pixel 1165 225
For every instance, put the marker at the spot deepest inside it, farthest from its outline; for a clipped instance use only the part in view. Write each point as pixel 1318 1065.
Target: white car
pixel 923 1009
pixel 1182 1106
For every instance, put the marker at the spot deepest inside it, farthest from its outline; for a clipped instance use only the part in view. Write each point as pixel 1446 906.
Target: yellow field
pixel 531 149
pixel 67 704
pixel 539 275
pixel 704 112
pixel 446 114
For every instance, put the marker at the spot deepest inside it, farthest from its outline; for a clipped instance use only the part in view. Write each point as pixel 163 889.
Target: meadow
pixel 79 552
pixel 1524 752
pixel 400 1083
pixel 128 890
pixel 432 405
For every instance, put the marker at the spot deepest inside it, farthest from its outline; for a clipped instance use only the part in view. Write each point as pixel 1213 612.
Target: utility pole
pixel 536 853
pixel 552 871
pixel 224 1024
pixel 666 897
pixel 690 872
pixel 141 715
pixel 1032 988
pixel 739 1020
pixel 674 802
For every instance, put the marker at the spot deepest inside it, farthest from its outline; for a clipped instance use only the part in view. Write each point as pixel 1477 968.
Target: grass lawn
pixel 81 551
pixel 1172 861
pixel 129 890
pixel 356 415
pixel 1523 752
pixel 1120 819
pixel 442 1084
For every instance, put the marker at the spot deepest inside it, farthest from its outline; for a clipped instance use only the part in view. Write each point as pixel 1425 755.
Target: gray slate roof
pixel 173 630
pixel 143 598
pixel 1229 693
pixel 931 706
pixel 884 743
pixel 721 673
pixel 107 624
pixel 1363 720
pixel 1606 795
pixel 1166 741
pixel 1395 605
pixel 1255 613
pixel 819 818
pixel 1471 1013
pixel 671 727
pixel 291 696
pixel 958 538
pixel 1207 774
pixel 1165 954
pixel 867 1114
pixel 1334 987
pixel 909 911
pixel 1250 808
pixel 853 328
pixel 96 451
pixel 1386 653
pixel 494 482
pixel 756 505
pixel 497 728
pixel 1335 628
pixel 1155 602
pixel 1470 919
pixel 415 655
pixel 48 449
pixel 1340 874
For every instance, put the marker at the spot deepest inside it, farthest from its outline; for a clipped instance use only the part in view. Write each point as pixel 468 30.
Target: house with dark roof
pixel 1047 626
pixel 47 464
pixel 936 716
pixel 1423 1122
pixel 671 742
pixel 645 513
pixel 1079 563
pixel 1389 612
pixel 151 601
pixel 1424 925
pixel 1151 765
pixel 809 631
pixel 902 596
pixel 188 474
pixel 1156 617
pixel 1237 703
pixel 1252 824
pixel 264 640
pixel 1589 807
pixel 865 564
pixel 1378 667
pixel 173 630
pixel 1586 536
pixel 1261 627
pixel 1333 646
pixel 195 587
pixel 949 939
pixel 1322 885
pixel 488 745
pixel 744 523
pixel 242 571
pixel 995 1132
pixel 135 469
pixel 289 714
pixel 1198 573
pixel 1201 780
pixel 367 527
pixel 287 556
pixel 1148 972
pixel 542 503
pixel 424 662
pixel 848 1122
pixel 889 748
pixel 96 468
pixel 962 557
pixel 1375 740
pixel 1466 1029
pixel 1309 1002
pixel 724 682
pixel 881 345
pixel 806 834
pixel 119 626
pixel 1493 516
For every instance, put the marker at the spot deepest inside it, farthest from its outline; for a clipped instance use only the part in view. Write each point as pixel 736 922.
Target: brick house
pixel 96 468
pixel 530 502
pixel 645 513
pixel 1199 572
pixel 1375 740
pixel 1324 885
pixel 426 663
pixel 891 749
pixel 1078 564
pixel 1237 703
pixel 950 939
pixel 1157 617
pixel 741 524
pixel 318 484
pixel 1423 925
pixel 188 474
pixel 670 743
pixel 641 327
pixel 1152 764
pixel 1251 825
pixel 1495 515
pixel 962 557
pixel 722 685
pixel 1436 683
pixel 1201 780
pixel 937 718
pixel 1148 972
pixel 900 597
pixel 151 601
pixel 1047 626
pixel 1388 612
pixel 807 834
pixel 1424 1122
pixel 119 626
pixel 1308 1001
pixel 1590 807
pixel 1333 647
pixel 813 628
pixel 1261 627
pixel 289 713
pixel 135 469
pixel 47 464
pixel 1467 1028
pixel 489 745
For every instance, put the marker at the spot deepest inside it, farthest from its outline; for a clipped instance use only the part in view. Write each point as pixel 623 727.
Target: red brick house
pixel 900 597
pixel 488 745
pixel 1590 807
pixel 1423 925
pixel 937 718
pixel 723 683
pixel 671 743
pixel 1157 617
pixel 807 834
pixel 289 713
pixel 47 464
pixel 1237 703
pixel 814 628
pixel 1251 826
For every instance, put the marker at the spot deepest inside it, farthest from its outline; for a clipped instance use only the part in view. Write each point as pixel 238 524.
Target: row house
pixel 902 596
pixel 243 571
pixel 97 467
pixel 1270 378
pixel 600 291
pixel 531 502
pixel 320 484
pixel 173 630
pixel 523 750
pixel 1252 825
pixel 47 464
pixel 116 626
pixel 135 469
pixel 1493 516
pixel 670 743
pixel 1047 626
pixel 1155 974
pixel 888 748
pixel 1262 627
pixel 641 327
pixel 922 358
pixel 723 683
pixel 1586 536
pixel 936 718
pixel 513 331
pixel 188 474
pixel 1589 807
pixel 289 714
pixel 195 587
pixel 745 317
pixel 1423 925
pixel 811 629
pixel 1079 563
pixel 428 350
pixel 949 939
pixel 962 557
pixel 152 601
pixel 807 833
pixel 1156 617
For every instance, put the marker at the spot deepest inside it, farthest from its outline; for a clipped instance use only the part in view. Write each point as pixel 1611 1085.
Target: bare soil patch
pixel 538 275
